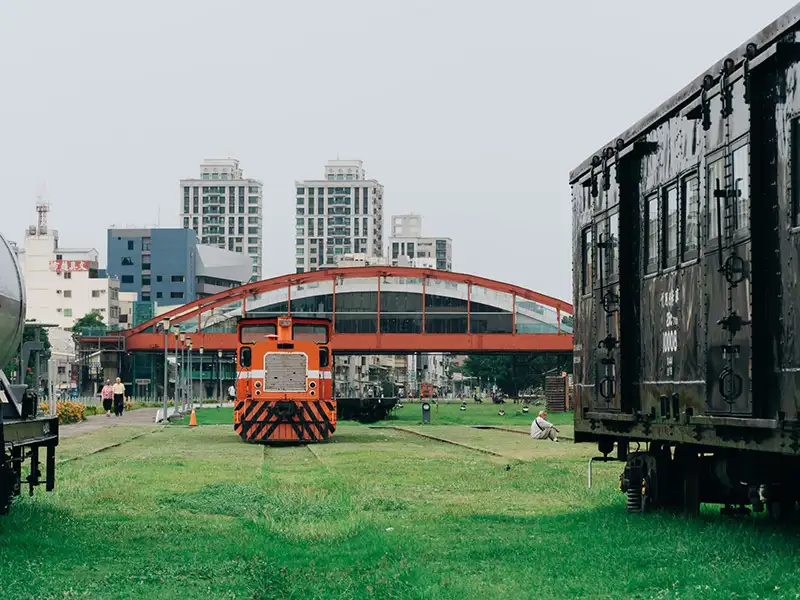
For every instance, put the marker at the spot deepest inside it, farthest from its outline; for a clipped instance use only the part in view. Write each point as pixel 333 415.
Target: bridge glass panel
pixel 274 303
pixel 401 305
pixel 533 317
pixel 490 311
pixel 567 323
pixel 313 300
pixel 357 305
pixel 445 306
pixel 219 320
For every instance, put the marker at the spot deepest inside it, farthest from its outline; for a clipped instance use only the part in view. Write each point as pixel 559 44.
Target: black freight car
pixel 686 242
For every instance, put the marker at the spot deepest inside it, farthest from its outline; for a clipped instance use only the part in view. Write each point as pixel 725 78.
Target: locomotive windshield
pixel 250 334
pixel 304 332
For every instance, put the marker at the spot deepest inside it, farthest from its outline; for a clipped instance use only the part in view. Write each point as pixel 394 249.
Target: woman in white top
pixel 119 397
pixel 541 429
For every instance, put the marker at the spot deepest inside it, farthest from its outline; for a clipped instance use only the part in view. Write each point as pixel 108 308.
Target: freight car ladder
pixel 732 268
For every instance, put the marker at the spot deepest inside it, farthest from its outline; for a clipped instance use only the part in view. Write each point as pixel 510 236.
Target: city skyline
pixel 478 134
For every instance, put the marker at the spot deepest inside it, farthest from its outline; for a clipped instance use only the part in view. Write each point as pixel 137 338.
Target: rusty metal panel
pixel 285 371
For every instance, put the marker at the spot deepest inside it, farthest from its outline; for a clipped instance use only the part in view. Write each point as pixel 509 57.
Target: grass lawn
pixel 411 414
pixel 184 513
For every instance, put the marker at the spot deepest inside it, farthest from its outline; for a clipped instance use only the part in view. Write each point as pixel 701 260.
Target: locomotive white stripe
pixel 259 374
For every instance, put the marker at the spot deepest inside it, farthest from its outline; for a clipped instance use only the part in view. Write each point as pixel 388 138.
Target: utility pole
pixel 165 327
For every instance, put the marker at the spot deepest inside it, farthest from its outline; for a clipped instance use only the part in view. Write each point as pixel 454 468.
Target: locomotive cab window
pixel 690 217
pixel 670 221
pixel 651 233
pixel 251 334
pixel 324 357
pixel 245 357
pixel 586 260
pixel 305 332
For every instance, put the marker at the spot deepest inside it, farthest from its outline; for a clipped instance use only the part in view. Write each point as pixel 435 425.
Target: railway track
pixel 108 447
pixel 444 440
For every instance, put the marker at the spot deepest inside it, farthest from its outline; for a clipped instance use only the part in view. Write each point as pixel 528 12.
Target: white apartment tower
pixel 408 248
pixel 225 209
pixel 337 215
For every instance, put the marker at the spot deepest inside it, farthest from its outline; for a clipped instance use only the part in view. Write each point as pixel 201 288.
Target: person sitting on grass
pixel 541 429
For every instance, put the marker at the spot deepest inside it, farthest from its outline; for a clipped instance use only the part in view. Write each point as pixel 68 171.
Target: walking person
pixel 119 397
pixel 107 393
pixel 541 429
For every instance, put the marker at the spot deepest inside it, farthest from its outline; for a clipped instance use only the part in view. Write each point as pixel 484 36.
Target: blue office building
pixel 169 267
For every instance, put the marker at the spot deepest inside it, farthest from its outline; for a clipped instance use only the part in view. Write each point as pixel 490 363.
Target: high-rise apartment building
pixel 225 210
pixel 339 214
pixel 408 248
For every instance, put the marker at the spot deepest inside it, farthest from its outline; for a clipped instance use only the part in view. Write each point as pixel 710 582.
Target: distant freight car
pixel 686 245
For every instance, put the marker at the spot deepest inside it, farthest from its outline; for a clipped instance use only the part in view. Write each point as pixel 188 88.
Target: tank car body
pixel 686 253
pixel 22 432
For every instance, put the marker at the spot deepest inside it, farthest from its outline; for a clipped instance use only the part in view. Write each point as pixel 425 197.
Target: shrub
pixel 68 412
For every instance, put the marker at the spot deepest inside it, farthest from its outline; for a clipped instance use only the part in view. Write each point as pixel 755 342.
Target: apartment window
pixel 741 185
pixel 145 281
pixel 127 279
pixel 690 217
pixel 670 222
pixel 127 261
pixel 67 312
pixel 301 191
pixel 716 181
pixel 586 260
pixel 95 293
pixel 651 233
pixel 159 278
pixel 177 279
pixel 176 295
pixel 253 210
pixel 366 209
pixel 67 293
pixel 130 244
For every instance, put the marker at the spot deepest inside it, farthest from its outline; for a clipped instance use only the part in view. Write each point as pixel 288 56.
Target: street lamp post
pixel 176 330
pixel 183 370
pixel 219 377
pixel 190 393
pixel 165 327
pixel 202 389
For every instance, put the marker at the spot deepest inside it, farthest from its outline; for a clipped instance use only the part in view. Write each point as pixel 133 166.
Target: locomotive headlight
pixel 258 392
pixel 312 393
pixel 312 384
pixel 258 384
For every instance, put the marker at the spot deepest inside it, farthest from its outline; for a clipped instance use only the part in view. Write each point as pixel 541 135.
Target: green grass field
pixel 181 513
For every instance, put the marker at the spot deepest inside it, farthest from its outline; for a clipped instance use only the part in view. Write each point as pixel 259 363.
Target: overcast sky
pixel 469 113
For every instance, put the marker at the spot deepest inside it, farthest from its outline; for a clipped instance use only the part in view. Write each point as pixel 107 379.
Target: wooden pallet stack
pixel 556 393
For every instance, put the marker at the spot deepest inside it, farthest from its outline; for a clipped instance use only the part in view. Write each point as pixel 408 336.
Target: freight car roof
pixel 763 39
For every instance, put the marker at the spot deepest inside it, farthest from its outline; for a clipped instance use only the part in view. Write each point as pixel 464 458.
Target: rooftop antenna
pixel 42 208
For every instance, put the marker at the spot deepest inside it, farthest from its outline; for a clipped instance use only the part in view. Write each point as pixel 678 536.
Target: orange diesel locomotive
pixel 285 387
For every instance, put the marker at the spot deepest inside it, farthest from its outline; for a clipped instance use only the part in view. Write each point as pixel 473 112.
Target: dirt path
pixel 142 416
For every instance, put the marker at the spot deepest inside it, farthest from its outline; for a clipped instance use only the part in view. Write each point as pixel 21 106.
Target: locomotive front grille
pixel 285 372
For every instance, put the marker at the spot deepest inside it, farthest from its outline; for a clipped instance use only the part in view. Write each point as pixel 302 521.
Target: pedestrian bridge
pixel 377 310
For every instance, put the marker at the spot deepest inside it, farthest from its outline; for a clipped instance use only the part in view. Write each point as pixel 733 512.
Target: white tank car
pixel 12 303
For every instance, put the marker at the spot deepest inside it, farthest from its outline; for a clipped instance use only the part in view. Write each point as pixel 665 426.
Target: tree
pixel 515 372
pixel 88 320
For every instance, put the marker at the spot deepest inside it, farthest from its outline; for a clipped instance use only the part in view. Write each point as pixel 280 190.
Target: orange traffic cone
pixel 193 419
